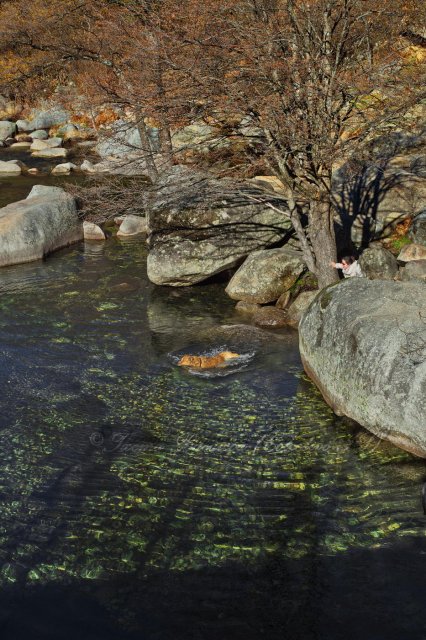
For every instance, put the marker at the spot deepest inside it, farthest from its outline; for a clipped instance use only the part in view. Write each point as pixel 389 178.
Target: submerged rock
pixel 270 317
pixel 247 307
pixel 32 228
pixel 363 343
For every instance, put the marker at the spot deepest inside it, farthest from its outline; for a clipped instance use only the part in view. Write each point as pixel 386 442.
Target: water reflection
pixel 145 502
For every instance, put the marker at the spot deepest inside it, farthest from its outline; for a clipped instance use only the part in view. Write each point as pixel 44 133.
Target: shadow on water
pixel 139 501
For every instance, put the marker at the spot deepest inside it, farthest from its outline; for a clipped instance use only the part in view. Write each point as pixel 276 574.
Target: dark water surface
pixel 140 501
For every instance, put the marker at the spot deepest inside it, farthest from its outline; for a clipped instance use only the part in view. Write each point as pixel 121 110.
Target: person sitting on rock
pixel 349 267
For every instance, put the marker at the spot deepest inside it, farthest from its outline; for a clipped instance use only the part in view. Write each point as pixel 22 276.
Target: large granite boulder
pixel 32 228
pixel 199 226
pixel 363 343
pixel 265 275
pixel 377 263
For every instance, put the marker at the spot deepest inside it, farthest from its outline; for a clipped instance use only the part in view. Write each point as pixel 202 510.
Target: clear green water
pixel 140 501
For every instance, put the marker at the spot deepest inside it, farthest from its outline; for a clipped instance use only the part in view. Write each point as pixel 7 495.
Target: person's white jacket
pixel 351 271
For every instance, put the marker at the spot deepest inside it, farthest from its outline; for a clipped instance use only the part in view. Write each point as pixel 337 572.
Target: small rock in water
pixel 63 169
pixel 92 231
pixel 132 225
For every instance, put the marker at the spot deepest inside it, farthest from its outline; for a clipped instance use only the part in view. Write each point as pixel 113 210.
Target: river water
pixel 140 501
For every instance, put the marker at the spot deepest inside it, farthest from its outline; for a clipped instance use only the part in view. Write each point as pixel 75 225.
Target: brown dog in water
pixel 207 362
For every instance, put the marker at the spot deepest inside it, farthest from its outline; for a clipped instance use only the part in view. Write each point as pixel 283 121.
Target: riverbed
pixel 140 500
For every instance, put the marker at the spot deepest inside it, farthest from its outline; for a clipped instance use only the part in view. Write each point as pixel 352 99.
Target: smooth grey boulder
pixel 132 225
pixel 377 263
pixel 7 129
pixel 414 270
pixel 418 229
pixel 30 229
pixel 199 226
pixel 265 275
pixel 363 344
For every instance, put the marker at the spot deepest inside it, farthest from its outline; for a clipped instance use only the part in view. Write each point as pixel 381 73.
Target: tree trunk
pixel 323 241
pixel 147 150
pixel 166 141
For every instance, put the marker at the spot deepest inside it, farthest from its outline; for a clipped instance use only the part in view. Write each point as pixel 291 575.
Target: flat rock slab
pixel 10 168
pixel 30 229
pixel 50 153
pixel 363 343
